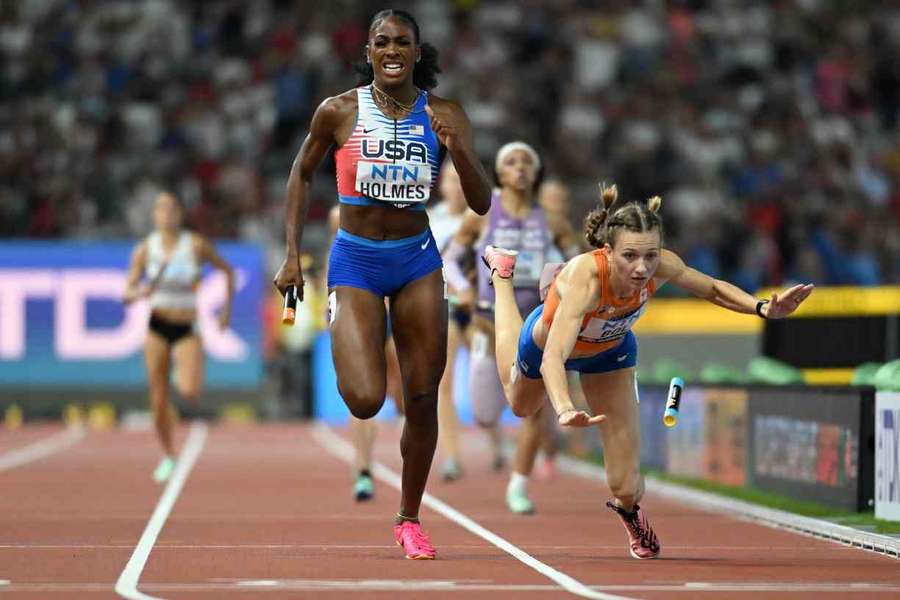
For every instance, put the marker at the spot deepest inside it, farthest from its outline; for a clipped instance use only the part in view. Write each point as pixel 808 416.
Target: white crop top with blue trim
pixel 174 278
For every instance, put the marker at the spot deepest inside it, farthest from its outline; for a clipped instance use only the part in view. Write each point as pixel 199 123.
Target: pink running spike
pixel 643 543
pixel 501 260
pixel 414 541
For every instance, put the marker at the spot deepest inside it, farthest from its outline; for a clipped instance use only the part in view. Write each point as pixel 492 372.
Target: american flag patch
pixel 416 130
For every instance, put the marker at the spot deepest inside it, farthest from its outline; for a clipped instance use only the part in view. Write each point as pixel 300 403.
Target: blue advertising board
pixel 62 322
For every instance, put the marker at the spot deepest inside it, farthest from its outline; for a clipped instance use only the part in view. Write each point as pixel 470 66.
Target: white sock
pixel 517 483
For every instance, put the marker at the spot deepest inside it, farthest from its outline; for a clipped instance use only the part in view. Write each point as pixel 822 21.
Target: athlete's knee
pixel 421 404
pixel 521 405
pixel 485 422
pixel 190 392
pixel 363 402
pixel 364 411
pixel 487 408
pixel 522 410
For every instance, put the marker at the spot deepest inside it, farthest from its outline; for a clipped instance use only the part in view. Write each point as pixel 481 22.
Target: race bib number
pixel 601 330
pixel 403 183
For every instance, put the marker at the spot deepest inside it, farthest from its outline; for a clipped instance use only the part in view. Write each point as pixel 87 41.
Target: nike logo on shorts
pixel 425 245
pixel 621 358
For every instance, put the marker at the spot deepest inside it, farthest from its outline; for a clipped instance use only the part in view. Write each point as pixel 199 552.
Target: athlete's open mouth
pixel 392 67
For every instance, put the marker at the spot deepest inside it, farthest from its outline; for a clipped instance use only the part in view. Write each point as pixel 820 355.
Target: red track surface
pixel 266 513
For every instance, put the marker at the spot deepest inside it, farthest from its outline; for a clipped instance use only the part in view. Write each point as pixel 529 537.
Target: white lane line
pixel 406 587
pixel 42 448
pixel 752 513
pixel 126 586
pixel 344 450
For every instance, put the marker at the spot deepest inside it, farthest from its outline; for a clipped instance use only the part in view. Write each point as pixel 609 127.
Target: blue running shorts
pixel 382 267
pixel 530 355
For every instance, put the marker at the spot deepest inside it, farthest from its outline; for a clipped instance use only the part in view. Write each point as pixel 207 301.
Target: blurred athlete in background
pixel 171 258
pixel 515 221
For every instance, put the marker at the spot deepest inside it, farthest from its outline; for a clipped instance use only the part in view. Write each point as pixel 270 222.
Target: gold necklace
pixel 388 102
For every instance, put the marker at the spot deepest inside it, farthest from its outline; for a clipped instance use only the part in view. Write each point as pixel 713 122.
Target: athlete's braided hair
pixel 424 71
pixel 600 227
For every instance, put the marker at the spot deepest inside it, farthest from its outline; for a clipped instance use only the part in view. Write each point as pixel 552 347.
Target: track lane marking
pixel 42 448
pixel 342 449
pixel 126 585
pixel 844 589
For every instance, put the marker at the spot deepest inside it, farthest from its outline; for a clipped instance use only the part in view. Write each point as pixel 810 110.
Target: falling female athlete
pixel 585 325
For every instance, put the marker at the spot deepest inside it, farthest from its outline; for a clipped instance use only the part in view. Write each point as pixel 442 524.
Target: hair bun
pixel 654 203
pixel 608 194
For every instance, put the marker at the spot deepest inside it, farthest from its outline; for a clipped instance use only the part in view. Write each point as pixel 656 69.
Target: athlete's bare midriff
pixel 382 223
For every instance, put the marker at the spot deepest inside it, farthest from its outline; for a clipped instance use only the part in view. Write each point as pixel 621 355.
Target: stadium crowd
pixel 771 128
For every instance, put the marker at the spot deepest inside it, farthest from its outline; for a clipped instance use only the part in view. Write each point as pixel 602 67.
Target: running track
pixel 265 512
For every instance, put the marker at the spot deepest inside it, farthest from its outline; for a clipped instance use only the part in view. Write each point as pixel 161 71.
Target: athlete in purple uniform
pixel 389 133
pixel 515 221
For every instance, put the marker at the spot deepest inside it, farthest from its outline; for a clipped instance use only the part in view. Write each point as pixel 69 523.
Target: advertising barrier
pixel 887 456
pixel 808 443
pixel 813 443
pixel 63 325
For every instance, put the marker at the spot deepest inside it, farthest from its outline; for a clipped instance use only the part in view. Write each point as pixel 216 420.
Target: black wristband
pixel 759 306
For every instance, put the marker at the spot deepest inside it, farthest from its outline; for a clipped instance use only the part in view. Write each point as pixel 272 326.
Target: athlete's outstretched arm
pixel 578 290
pixel 726 295
pixel 325 122
pixel 451 125
pixel 208 253
pixel 133 289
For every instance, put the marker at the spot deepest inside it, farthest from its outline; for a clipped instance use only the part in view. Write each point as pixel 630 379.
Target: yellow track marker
pixel 101 416
pixel 238 412
pixel 13 417
pixel 73 415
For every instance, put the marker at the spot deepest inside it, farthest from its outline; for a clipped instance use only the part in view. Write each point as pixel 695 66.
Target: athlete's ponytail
pixel 602 224
pixel 593 223
pixel 426 68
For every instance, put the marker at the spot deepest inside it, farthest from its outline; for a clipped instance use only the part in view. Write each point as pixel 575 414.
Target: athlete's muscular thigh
pixel 419 320
pixel 357 348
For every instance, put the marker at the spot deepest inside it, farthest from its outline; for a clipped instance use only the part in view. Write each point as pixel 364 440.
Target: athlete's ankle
pixel 400 518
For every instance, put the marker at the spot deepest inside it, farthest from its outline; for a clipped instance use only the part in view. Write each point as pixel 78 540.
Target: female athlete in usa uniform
pixel 585 325
pixel 390 134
